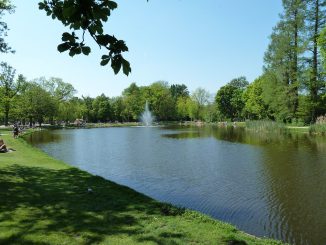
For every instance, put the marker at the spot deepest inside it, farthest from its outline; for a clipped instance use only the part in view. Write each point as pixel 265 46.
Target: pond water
pixel 270 185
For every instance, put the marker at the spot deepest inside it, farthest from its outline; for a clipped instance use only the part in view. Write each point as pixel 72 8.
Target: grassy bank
pixel 45 201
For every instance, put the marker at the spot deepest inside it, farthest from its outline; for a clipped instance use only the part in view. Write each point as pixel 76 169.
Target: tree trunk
pixel 314 72
pixel 6 112
pixel 295 85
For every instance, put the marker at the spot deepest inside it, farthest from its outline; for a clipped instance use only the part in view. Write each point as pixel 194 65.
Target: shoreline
pixel 303 129
pixel 85 208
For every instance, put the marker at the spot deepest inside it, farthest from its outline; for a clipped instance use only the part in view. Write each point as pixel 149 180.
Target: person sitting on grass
pixel 3 147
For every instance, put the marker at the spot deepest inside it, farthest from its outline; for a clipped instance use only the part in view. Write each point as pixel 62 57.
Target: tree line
pixel 53 101
pixel 293 82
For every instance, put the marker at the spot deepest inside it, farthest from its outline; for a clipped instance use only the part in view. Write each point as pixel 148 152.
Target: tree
pixel 255 106
pixel 88 113
pixel 322 45
pixel 193 110
pixel 118 108
pixel 181 107
pixel 102 108
pixel 5 6
pixel 275 95
pixel 37 103
pixel 178 90
pixel 69 111
pixel 208 113
pixel 8 88
pixel 87 17
pixel 59 89
pixel 201 97
pixel 240 82
pixel 316 19
pixel 160 100
pixel 134 102
pixel 284 54
pixel 229 101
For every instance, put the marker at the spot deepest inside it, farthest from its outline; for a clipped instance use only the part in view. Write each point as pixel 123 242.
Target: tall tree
pixel 316 19
pixel 37 103
pixel 322 46
pixel 284 54
pixel 8 88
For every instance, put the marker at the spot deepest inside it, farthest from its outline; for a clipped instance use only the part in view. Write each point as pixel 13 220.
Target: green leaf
pixel 112 5
pixel 78 50
pixel 105 57
pixel 102 39
pixel 41 6
pixel 86 50
pixel 105 62
pixel 116 63
pixel 66 36
pixel 72 52
pixel 126 67
pixel 116 67
pixel 63 47
pixel 120 45
pixel 68 11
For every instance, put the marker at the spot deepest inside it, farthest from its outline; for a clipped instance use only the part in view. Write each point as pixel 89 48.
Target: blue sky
pixel 199 43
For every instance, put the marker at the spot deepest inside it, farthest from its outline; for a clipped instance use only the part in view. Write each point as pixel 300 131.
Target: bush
pixel 320 126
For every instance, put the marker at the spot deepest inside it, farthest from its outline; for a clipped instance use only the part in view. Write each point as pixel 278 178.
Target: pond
pixel 270 185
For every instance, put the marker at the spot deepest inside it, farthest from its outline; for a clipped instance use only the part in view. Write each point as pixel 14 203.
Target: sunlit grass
pixel 265 126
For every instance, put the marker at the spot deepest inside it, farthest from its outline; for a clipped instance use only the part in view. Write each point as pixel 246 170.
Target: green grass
pixel 265 126
pixel 45 201
pixel 318 129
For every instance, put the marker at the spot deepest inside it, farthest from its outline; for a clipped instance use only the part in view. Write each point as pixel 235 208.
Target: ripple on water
pixel 266 186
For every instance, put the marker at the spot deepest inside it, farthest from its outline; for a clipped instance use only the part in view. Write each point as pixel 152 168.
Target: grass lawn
pixel 45 201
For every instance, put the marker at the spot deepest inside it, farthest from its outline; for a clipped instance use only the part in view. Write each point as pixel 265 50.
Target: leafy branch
pixel 88 16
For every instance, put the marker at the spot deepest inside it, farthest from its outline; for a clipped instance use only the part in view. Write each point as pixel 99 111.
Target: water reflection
pixel 295 176
pixel 43 136
pixel 241 135
pixel 266 184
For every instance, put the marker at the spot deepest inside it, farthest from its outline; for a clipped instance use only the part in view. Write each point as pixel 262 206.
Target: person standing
pixel 16 131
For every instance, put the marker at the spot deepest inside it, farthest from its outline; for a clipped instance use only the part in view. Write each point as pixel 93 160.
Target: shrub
pixel 320 126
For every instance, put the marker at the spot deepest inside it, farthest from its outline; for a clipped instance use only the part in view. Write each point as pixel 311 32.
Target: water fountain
pixel 146 117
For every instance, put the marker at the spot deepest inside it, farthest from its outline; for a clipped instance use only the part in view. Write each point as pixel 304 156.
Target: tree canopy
pixel 5 7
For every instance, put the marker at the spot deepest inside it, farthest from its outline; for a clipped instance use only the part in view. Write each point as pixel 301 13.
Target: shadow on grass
pixel 38 202
pixel 236 242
